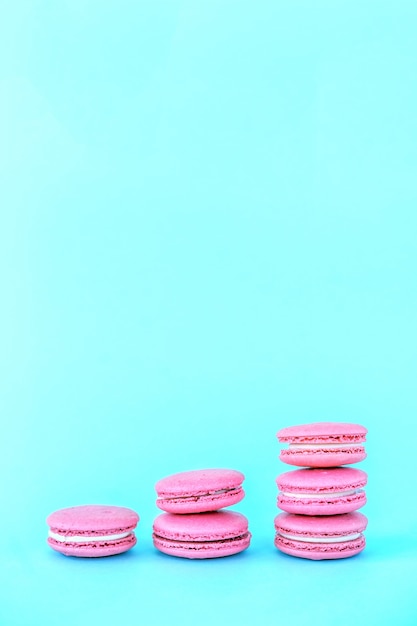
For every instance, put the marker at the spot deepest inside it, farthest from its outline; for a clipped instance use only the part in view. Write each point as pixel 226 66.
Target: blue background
pixel 208 232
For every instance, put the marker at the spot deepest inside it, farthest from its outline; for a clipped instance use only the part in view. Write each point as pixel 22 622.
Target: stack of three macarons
pixel 321 501
pixel 194 524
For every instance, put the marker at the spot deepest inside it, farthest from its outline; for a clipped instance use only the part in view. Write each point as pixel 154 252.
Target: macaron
pixel 199 491
pixel 322 491
pixel 326 537
pixel 204 536
pixel 92 530
pixel 323 444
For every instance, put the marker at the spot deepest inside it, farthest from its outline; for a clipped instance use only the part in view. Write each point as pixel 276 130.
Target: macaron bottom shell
pixel 317 551
pixel 200 504
pixel 93 549
pixel 322 458
pixel 203 549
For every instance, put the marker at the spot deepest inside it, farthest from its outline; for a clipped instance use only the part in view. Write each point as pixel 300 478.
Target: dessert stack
pixel 193 526
pixel 320 501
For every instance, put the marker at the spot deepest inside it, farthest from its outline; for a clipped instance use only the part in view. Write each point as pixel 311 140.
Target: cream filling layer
pixel 351 537
pixel 86 538
pixel 328 495
pixel 201 495
pixel 318 446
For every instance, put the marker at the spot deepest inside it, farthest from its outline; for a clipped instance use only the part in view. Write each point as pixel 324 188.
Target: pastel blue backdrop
pixel 208 232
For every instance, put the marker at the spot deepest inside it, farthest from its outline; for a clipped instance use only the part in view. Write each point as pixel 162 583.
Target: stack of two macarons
pixel 195 524
pixel 321 501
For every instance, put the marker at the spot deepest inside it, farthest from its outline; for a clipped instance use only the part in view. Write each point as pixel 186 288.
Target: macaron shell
pixel 326 432
pixel 93 517
pixel 213 526
pixel 322 457
pixel 318 480
pixel 329 526
pixel 201 504
pixel 93 549
pixel 198 482
pixel 335 506
pixel 317 551
pixel 202 550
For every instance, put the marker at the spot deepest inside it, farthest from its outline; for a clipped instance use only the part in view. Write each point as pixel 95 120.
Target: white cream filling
pixel 321 539
pixel 328 495
pixel 318 446
pixel 86 538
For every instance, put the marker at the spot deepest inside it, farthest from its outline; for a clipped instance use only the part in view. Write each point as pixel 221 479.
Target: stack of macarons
pixel 320 501
pixel 193 526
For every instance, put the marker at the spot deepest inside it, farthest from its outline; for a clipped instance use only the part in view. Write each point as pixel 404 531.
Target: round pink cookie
pixel 323 444
pixel 202 536
pixel 92 530
pixel 199 491
pixel 326 537
pixel 330 491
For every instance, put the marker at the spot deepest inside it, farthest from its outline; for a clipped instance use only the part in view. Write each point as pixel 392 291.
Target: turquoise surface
pixel 208 216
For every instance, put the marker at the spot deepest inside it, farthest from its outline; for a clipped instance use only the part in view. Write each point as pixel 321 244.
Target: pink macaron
pixel 326 537
pixel 330 491
pixel 203 536
pixel 92 531
pixel 323 444
pixel 199 491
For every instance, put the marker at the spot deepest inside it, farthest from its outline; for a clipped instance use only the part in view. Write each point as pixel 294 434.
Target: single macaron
pixel 325 537
pixel 199 491
pixel 203 536
pixel 92 530
pixel 322 491
pixel 323 444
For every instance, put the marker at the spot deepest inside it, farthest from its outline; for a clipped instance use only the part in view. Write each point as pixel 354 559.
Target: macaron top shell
pixel 325 526
pixel 213 526
pixel 323 432
pixel 326 480
pixel 198 482
pixel 92 518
